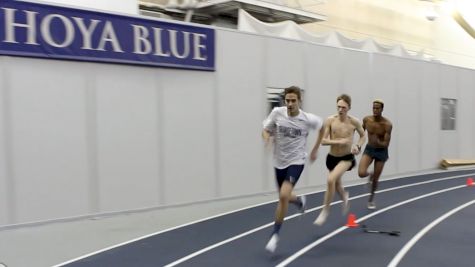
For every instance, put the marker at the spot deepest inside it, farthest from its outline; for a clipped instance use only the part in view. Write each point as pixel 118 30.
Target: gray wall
pixel 79 139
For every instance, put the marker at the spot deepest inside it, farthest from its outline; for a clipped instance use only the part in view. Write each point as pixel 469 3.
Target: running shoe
pixel 303 200
pixel 321 218
pixel 371 205
pixel 272 244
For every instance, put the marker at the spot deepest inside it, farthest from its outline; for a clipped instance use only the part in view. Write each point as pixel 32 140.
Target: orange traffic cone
pixel 351 221
pixel 470 181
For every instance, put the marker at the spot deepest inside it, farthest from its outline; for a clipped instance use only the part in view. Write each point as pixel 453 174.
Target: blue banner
pixel 48 31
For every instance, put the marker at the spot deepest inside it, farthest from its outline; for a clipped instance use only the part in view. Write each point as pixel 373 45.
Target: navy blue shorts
pixel 290 174
pixel 377 153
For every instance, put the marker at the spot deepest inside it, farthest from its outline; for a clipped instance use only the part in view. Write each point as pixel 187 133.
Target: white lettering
pixel 157 32
pixel 108 35
pixel 86 31
pixel 198 45
pixel 140 40
pixel 10 26
pixel 174 46
pixel 46 30
pixel 27 27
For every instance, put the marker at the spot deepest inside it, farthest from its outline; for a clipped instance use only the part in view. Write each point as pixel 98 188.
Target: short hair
pixel 345 98
pixel 379 101
pixel 293 90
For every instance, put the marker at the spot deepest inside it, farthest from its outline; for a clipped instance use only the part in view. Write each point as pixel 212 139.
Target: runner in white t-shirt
pixel 289 126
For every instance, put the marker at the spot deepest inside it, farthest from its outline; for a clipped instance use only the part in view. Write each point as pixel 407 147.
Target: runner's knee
pixel 362 173
pixel 331 181
pixel 284 197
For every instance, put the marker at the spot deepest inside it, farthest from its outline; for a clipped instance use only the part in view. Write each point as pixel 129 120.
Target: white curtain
pixel 291 30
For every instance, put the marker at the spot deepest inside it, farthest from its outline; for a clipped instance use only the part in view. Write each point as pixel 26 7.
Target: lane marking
pixel 180 260
pixel 337 231
pixel 395 261
pixel 196 253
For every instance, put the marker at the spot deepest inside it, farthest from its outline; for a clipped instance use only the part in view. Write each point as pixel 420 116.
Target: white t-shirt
pixel 290 135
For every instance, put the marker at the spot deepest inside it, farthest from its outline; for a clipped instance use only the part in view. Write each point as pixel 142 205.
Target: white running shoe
pixel 346 204
pixel 321 218
pixel 371 205
pixel 272 244
pixel 303 199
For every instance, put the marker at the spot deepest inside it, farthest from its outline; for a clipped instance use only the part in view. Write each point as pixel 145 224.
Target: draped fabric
pixel 291 30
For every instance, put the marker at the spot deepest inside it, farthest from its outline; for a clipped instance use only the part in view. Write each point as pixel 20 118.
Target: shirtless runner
pixel 379 135
pixel 338 133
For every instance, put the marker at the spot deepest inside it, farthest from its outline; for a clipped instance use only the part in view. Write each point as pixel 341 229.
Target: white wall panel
pixel 6 194
pixel 85 138
pixel 323 65
pixel 429 117
pixel 407 130
pixel 281 56
pixel 189 135
pixel 242 106
pixel 356 82
pixel 383 86
pixel 449 147
pixel 127 137
pixel 49 165
pixel 465 113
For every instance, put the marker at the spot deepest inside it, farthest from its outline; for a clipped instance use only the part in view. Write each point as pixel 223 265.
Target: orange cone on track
pixel 351 221
pixel 470 181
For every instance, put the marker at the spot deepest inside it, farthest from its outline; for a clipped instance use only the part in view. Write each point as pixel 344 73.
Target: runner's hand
pixel 355 150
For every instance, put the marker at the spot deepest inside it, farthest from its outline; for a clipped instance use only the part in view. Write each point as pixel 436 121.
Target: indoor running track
pixel 434 213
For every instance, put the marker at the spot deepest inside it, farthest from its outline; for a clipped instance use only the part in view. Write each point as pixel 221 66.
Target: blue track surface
pixel 449 243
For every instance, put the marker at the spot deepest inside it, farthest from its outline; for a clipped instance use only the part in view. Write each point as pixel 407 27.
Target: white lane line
pixel 395 261
pixel 256 229
pixel 337 231
pixel 196 253
pixel 157 233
